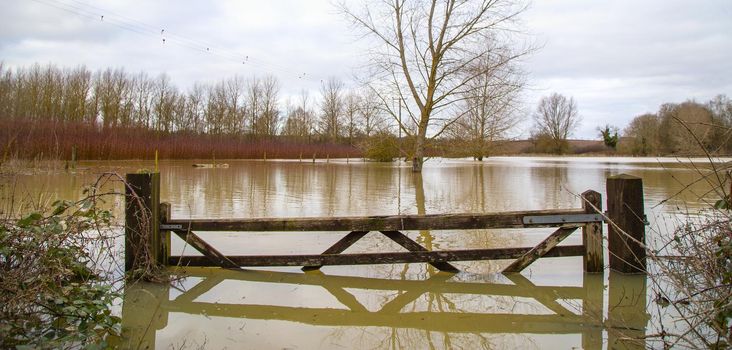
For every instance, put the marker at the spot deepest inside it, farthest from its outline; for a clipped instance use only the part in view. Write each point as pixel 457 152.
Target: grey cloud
pixel 618 58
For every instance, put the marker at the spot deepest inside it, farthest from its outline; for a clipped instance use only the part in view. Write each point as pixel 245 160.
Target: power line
pixel 96 13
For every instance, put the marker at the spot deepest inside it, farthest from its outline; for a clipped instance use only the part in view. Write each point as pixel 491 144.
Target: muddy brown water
pixel 552 304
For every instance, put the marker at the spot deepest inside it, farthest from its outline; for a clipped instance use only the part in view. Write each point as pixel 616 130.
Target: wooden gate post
pixel 165 242
pixel 626 229
pixel 142 219
pixel 592 233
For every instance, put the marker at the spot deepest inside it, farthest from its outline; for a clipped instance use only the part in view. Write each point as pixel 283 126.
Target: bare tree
pixel 6 91
pixel 194 109
pixel 142 91
pixel 165 100
pixel 641 136
pixel 423 50
pixel 352 106
pixel 267 121
pixel 686 128
pixel 371 118
pixel 331 107
pixel 77 88
pixel 300 119
pixel 721 108
pixel 490 108
pixel 556 118
pixel 253 102
pixel 112 88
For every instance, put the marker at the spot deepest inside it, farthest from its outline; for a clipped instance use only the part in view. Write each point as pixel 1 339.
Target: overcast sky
pixel 618 59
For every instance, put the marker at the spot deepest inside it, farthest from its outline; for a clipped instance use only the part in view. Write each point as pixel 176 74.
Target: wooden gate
pixel 149 226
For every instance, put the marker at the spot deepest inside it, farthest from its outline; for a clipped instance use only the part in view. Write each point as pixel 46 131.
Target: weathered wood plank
pixel 209 252
pixel 340 246
pixel 165 209
pixel 413 246
pixel 377 223
pixel 592 233
pixel 542 248
pixel 377 258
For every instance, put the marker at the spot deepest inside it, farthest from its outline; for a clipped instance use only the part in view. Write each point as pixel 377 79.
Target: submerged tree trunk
pixel 419 144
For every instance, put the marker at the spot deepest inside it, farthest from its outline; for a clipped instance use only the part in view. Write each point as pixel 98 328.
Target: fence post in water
pixel 142 219
pixel 165 235
pixel 626 229
pixel 592 233
pixel 73 157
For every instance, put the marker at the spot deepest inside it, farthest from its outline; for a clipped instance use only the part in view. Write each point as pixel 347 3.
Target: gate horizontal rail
pixel 516 219
pixel 378 258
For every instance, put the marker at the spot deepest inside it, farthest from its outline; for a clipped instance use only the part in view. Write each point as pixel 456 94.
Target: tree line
pixel 114 98
pixel 101 112
pixel 687 128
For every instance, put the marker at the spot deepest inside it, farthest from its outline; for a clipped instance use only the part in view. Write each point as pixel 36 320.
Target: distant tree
pixel 142 90
pixel 423 51
pixel 331 109
pixel 556 118
pixel 112 89
pixel 233 107
pixel 7 80
pixel 381 147
pixel 266 121
pixel 164 102
pixel 490 106
pixel 194 109
pixel 721 108
pixel 76 92
pixel 609 135
pixel 371 117
pixel 300 119
pixel 686 128
pixel 351 108
pixel 641 136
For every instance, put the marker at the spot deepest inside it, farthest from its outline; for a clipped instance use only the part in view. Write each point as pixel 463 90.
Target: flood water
pixel 551 304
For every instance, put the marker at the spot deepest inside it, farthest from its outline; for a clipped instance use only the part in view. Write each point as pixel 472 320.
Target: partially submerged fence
pixel 149 226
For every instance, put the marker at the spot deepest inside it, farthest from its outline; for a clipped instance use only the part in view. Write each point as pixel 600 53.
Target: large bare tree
pixel 424 49
pixel 556 118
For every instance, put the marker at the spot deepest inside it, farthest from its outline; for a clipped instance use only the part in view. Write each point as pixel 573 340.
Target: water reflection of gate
pixel 574 309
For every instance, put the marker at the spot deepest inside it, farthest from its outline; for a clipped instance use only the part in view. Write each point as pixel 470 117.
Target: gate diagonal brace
pixel 413 246
pixel 206 249
pixel 339 247
pixel 540 249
